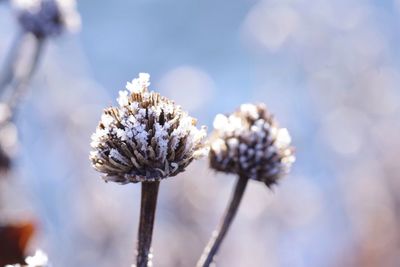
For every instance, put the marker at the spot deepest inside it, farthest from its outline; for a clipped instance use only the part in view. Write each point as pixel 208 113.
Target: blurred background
pixel 328 70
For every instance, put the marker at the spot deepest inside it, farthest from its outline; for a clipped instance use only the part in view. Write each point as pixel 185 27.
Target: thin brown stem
pixel 146 223
pixel 218 236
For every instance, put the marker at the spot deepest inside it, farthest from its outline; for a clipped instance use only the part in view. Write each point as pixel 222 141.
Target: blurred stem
pixel 146 223
pixel 8 71
pixel 218 236
pixel 19 84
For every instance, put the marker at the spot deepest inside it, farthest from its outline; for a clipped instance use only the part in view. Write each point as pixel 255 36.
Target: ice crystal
pixel 249 143
pixel 146 138
pixel 47 17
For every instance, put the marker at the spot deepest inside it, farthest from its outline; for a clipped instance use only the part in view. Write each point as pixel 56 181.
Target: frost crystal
pixel 47 17
pixel 249 143
pixel 146 138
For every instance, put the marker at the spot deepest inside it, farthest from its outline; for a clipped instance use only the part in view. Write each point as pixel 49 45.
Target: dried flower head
pixel 47 17
pixel 146 138
pixel 249 143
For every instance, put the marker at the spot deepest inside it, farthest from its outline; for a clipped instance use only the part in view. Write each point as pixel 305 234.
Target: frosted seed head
pixel 146 138
pixel 251 144
pixel 45 18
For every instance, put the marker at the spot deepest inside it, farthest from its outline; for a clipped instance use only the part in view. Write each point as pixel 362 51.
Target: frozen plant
pixel 146 138
pixel 248 143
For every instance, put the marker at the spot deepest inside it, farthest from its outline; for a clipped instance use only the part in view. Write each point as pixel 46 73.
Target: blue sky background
pixel 328 70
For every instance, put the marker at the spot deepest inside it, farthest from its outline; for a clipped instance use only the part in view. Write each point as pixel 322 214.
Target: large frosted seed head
pixel 146 138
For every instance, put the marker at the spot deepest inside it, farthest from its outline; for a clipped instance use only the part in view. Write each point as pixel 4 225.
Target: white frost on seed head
pixel 249 142
pixel 107 120
pixel 28 5
pixel 249 110
pixel 218 146
pixel 98 136
pixel 123 98
pixel 146 138
pixel 283 138
pixel 220 122
pixel 140 84
pixel 115 155
pixel 161 136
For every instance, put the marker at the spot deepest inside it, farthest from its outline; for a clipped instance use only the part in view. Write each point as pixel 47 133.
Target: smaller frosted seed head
pixel 146 138
pixel 249 143
pixel 45 18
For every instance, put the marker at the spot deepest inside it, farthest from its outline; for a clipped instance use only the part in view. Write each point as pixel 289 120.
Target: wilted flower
pixel 147 138
pixel 47 17
pixel 40 259
pixel 249 143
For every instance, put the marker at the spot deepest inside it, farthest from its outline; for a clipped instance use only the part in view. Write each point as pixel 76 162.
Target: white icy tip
pixel 283 138
pixel 139 84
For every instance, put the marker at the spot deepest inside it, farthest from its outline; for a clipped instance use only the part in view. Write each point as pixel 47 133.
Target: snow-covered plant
pixel 248 143
pixel 145 139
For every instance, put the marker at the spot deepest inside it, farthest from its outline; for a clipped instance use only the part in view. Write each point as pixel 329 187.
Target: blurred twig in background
pixel 9 67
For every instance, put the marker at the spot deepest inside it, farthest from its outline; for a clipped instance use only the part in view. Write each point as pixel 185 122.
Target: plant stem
pixel 21 84
pixel 13 86
pixel 218 236
pixel 147 213
pixel 8 70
